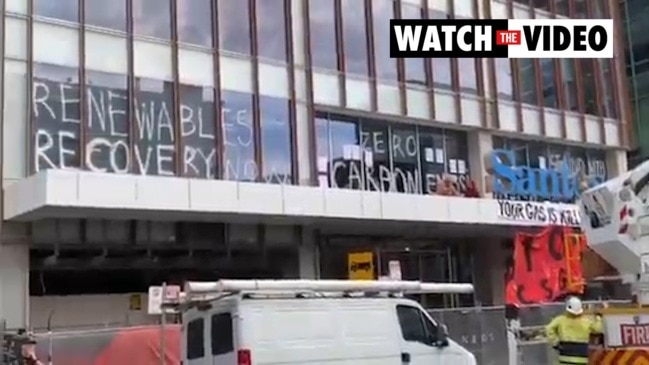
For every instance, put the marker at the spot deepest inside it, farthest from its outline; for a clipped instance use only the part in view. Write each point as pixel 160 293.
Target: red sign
pixel 634 334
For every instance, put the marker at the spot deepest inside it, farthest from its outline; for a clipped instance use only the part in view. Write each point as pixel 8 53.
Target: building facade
pixel 164 140
pixel 633 12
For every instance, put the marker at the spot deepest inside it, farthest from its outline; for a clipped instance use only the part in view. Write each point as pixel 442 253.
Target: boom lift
pixel 615 221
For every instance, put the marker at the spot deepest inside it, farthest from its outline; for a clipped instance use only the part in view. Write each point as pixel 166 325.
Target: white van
pixel 294 327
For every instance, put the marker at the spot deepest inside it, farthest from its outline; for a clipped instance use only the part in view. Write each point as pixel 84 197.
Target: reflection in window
pixel 56 117
pixel 152 18
pixel 271 29
pixel 386 67
pixel 106 14
pixel 569 83
pixel 375 139
pixel 107 138
pixel 467 73
pixel 608 84
pixel 504 78
pixel 238 136
pixel 550 98
pixel 198 132
pixel 588 79
pixel 405 156
pixel 154 152
pixel 433 159
pixel 562 7
pixel 234 26
pixel 528 81
pixel 415 68
pixel 345 164
pixel 441 66
pixel 275 140
pixel 322 17
pixel 355 36
pixel 60 9
pixel 195 22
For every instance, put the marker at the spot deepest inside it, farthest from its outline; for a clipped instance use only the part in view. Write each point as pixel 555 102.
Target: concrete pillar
pixel 489 272
pixel 309 259
pixel 480 145
pixel 616 163
pixel 14 284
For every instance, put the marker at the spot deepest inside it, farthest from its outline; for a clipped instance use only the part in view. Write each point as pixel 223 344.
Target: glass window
pixel 386 67
pixel 375 139
pixel 588 85
pixel 405 157
pixel 569 83
pixel 433 161
pixel 345 167
pixel 152 18
pixel 106 14
pixel 355 37
pixel 529 93
pixel 155 152
pixel 198 131
pixel 195 339
pixel 562 7
pixel 107 141
pixel 457 159
pixel 504 78
pixel 195 22
pixel 412 327
pixel 234 26
pixel 275 140
pixel 608 88
pixel 550 97
pixel 56 109
pixel 271 29
pixel 238 136
pixel 415 68
pixel 322 17
pixel 467 73
pixel 322 145
pixel 441 66
pixel 221 334
pixel 60 9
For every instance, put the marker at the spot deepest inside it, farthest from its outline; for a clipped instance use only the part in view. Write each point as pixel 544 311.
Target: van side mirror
pixel 441 337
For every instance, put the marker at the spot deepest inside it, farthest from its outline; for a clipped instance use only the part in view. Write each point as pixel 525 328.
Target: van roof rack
pixel 201 289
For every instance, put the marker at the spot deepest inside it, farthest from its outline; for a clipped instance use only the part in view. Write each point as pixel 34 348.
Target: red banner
pixel 545 266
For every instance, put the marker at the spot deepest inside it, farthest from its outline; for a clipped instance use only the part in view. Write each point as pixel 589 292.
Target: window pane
pixel 222 337
pixel 154 138
pixel 108 127
pixel 152 18
pixel 198 130
pixel 457 159
pixel 375 137
pixel 271 29
pixel 355 36
pixel 504 78
pixel 528 81
pixel 411 325
pixel 107 14
pixel 441 66
pixel 405 157
pixel 415 67
pixel 322 144
pixel 588 85
pixel 570 84
pixel 383 11
pixel 431 143
pixel 550 98
pixel 195 335
pixel 323 34
pixel 238 136
pixel 195 22
pixel 234 26
pixel 608 89
pixel 56 117
pixel 59 9
pixel 275 140
pixel 345 169
pixel 467 73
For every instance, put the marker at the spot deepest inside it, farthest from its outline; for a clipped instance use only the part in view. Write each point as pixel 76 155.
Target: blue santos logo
pixel 558 183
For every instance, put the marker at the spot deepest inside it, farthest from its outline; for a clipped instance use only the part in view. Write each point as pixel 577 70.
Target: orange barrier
pixel 619 357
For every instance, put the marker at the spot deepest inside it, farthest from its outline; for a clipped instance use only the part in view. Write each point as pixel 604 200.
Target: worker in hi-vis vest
pixel 569 333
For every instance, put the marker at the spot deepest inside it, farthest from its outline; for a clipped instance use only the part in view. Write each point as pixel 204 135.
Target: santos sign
pixel 561 182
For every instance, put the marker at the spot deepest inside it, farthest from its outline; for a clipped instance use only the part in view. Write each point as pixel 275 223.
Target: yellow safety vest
pixel 571 334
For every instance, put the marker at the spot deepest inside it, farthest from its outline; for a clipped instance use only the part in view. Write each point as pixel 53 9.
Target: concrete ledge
pixel 81 194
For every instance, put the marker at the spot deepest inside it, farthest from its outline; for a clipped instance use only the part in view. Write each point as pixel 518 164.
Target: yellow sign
pixel 135 302
pixel 360 266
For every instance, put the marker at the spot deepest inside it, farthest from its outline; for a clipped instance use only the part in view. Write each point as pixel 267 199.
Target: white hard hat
pixel 574 306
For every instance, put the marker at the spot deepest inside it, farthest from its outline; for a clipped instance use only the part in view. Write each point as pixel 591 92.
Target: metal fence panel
pixel 483 331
